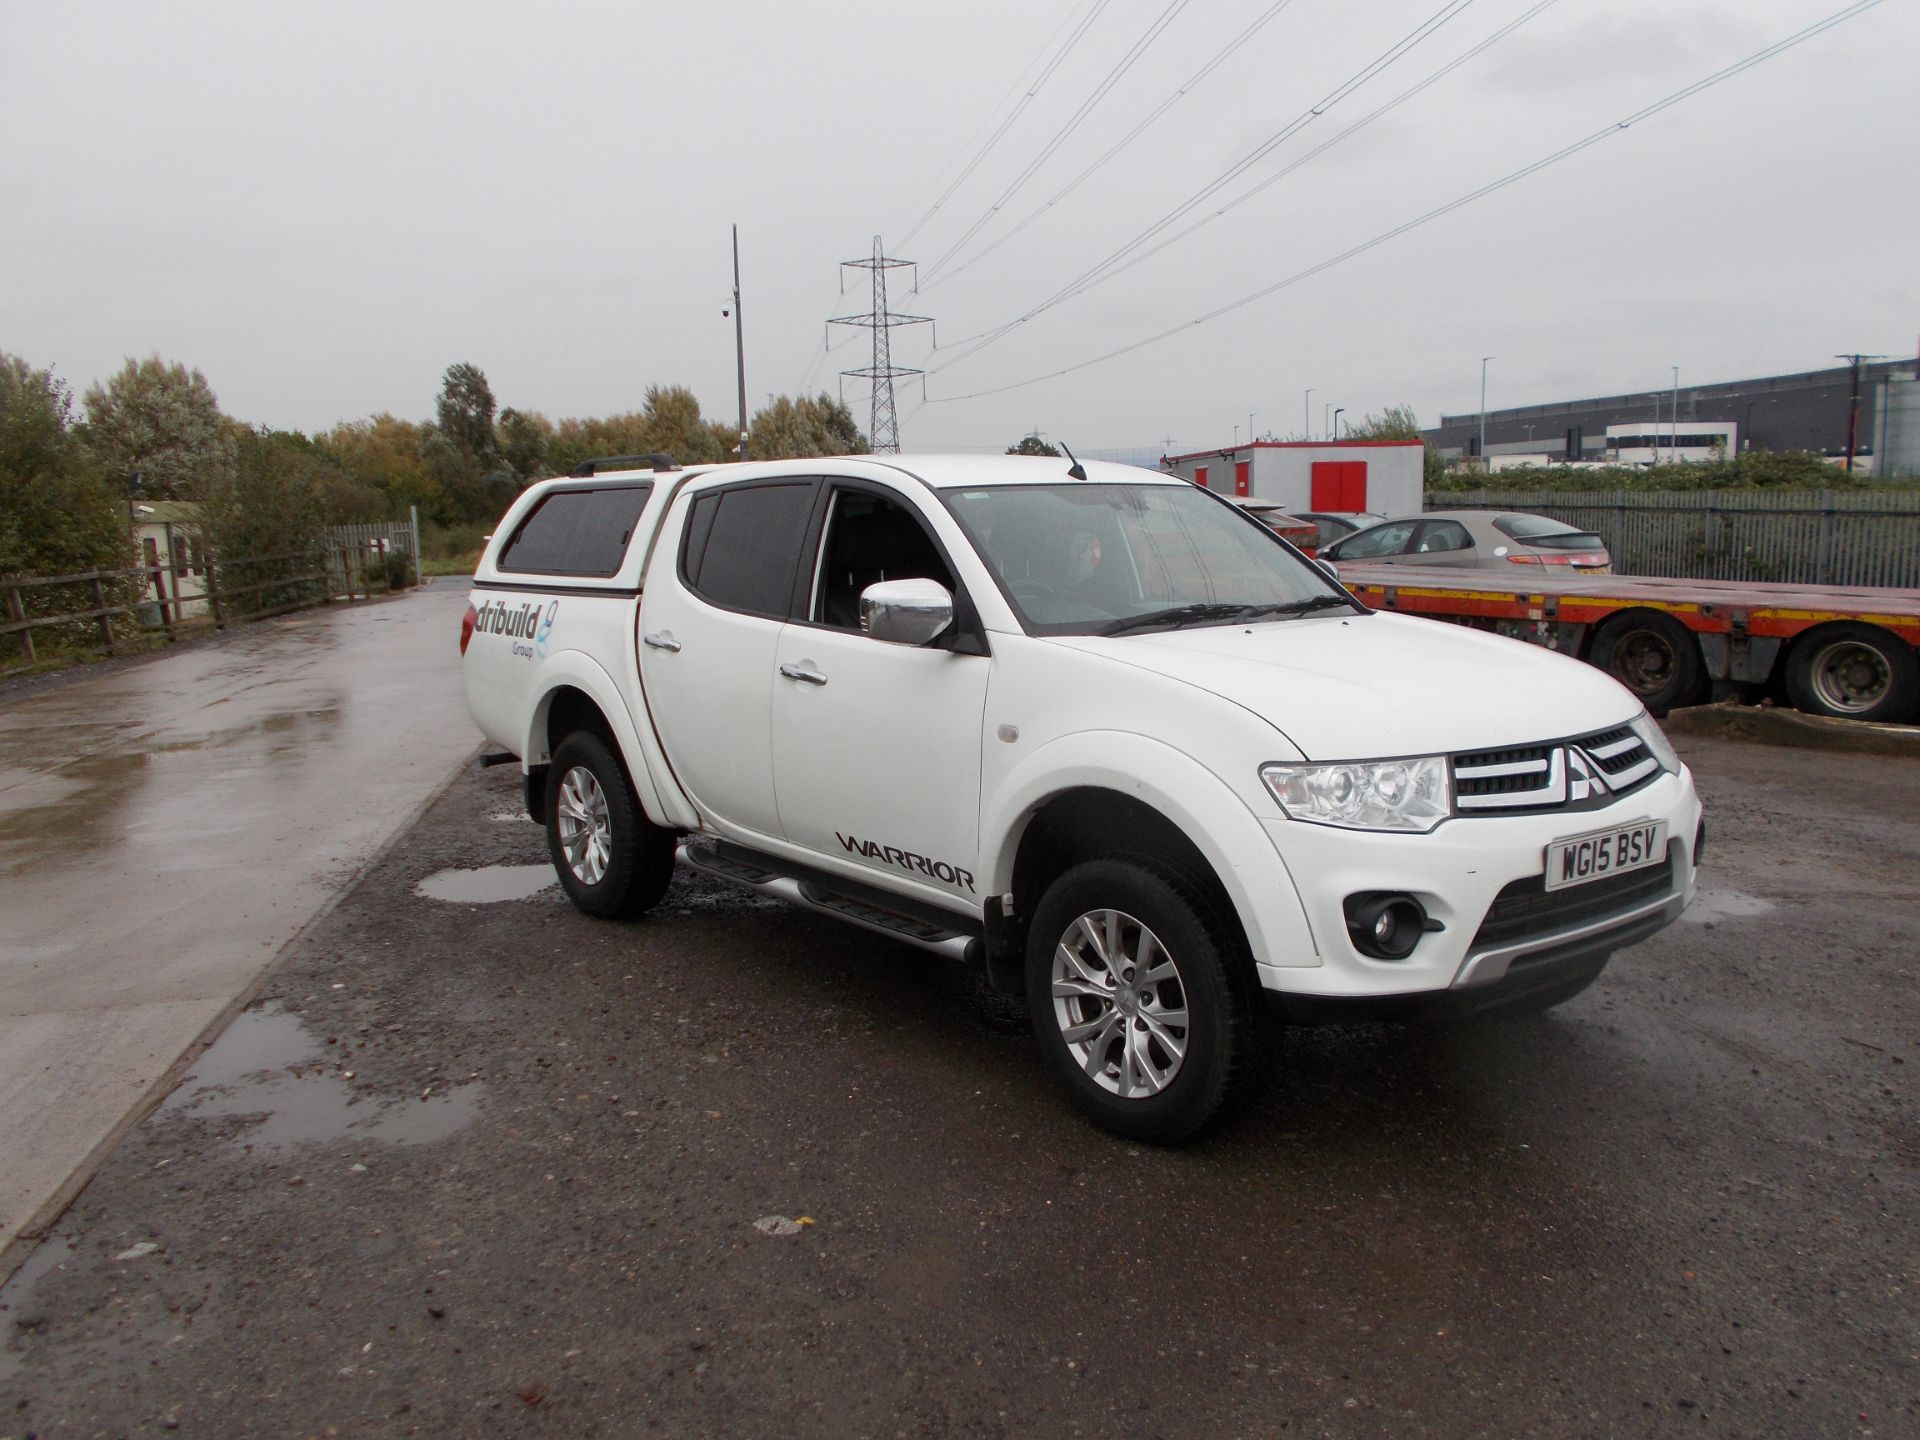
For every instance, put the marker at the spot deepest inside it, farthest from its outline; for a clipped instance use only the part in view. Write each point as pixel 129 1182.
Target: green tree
pixel 523 437
pixel 1033 445
pixel 161 422
pixel 464 414
pixel 271 517
pixel 1396 422
pixel 58 514
pixel 796 429
pixel 674 426
pixel 384 453
pixel 575 440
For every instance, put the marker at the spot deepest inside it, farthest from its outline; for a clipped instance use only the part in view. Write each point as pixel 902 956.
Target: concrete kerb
pixel 14 1253
pixel 1770 725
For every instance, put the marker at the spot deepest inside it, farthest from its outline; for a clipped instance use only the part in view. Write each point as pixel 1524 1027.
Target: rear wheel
pixel 1653 655
pixel 1139 1001
pixel 611 859
pixel 1853 672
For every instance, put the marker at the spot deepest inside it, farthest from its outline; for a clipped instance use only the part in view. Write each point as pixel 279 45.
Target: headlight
pixel 1410 795
pixel 1655 739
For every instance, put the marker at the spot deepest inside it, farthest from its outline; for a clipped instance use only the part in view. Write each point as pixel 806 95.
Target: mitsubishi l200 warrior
pixel 1087 726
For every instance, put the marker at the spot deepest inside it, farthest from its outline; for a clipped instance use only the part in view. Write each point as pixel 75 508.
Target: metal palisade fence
pixel 1805 537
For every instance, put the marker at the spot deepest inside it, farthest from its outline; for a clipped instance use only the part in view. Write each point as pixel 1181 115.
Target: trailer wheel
pixel 1653 655
pixel 1854 672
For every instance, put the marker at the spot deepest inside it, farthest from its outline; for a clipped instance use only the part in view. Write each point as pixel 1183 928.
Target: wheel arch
pixel 1069 800
pixel 578 695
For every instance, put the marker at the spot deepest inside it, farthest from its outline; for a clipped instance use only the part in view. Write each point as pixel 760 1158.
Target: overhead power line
pixel 976 343
pixel 1060 136
pixel 1185 87
pixel 1647 112
pixel 1322 147
pixel 1046 74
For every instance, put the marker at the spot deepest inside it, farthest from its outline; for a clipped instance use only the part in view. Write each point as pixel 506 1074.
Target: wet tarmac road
pixel 734 1170
pixel 165 827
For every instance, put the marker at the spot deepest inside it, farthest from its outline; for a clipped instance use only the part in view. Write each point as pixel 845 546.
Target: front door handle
pixel 804 673
pixel 661 640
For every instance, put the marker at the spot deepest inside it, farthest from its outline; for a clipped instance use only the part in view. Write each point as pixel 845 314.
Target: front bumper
pixel 1481 878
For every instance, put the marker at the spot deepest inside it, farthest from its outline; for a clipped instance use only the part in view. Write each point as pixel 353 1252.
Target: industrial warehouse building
pixel 1338 475
pixel 1809 411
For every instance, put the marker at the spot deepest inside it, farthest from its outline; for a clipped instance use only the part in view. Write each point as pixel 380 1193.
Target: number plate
pixel 1582 859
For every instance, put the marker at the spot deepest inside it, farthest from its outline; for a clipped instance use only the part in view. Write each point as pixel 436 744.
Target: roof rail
pixel 656 461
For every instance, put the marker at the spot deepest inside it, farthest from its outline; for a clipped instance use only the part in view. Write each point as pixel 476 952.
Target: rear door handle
pixel 662 640
pixel 804 673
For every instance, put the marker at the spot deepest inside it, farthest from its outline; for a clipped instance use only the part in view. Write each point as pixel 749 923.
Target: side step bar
pixel 870 908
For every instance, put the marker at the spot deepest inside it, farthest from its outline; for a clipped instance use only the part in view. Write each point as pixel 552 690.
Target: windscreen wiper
pixel 1297 607
pixel 1172 616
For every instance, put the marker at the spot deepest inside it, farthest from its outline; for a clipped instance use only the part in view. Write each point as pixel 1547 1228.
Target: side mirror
pixel 906 612
pixel 1328 566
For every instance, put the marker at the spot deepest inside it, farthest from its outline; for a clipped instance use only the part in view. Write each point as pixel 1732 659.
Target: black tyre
pixel 611 859
pixel 1653 655
pixel 1141 1000
pixel 1854 672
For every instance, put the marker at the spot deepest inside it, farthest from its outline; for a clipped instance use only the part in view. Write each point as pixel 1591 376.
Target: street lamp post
pixel 1338 411
pixel 1673 420
pixel 1326 423
pixel 1306 407
pixel 1250 415
pixel 1483 408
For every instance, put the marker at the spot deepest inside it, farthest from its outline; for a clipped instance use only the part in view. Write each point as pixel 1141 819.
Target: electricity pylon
pixel 884 429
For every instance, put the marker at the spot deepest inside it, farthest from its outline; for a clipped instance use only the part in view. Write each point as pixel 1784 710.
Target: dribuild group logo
pixel 517 624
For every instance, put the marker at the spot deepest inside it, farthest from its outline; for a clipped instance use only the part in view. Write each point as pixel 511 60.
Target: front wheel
pixel 1137 1001
pixel 611 859
pixel 1853 672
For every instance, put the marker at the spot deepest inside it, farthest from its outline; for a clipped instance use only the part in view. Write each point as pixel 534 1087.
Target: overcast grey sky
pixel 322 206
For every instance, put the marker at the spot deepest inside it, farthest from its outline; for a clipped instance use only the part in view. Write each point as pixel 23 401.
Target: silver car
pixel 1475 540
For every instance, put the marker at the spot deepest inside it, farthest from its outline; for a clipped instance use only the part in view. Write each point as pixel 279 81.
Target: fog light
pixel 1386 927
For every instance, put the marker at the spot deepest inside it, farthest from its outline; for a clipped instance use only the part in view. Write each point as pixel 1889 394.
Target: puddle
pixel 19 1316
pixel 488 884
pixel 1717 905
pixel 254 1069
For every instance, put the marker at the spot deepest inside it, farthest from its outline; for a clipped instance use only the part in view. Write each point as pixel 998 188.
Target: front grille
pixel 1526 908
pixel 1578 774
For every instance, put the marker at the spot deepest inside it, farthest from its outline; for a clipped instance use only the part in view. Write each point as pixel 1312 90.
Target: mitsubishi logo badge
pixel 1585 778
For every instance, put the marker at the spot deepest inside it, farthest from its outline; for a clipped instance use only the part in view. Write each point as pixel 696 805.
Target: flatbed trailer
pixel 1829 651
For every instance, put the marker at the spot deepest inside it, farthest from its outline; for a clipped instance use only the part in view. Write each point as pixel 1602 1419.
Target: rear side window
pixel 1440 535
pixel 743 545
pixel 576 532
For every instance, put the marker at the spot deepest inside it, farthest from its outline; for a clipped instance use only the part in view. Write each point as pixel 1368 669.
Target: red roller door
pixel 1339 485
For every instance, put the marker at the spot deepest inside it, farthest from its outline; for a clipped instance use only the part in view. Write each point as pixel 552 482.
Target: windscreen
pixel 1083 559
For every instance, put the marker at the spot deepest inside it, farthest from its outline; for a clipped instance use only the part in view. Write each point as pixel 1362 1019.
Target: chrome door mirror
pixel 1328 566
pixel 906 612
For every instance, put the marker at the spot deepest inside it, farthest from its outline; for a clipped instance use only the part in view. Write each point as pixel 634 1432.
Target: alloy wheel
pixel 1120 1003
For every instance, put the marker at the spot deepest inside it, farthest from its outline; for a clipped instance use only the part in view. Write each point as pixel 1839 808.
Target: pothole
pixel 268 1065
pixel 487 885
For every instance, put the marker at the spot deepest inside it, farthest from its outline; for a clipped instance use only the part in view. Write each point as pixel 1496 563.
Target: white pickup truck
pixel 1085 725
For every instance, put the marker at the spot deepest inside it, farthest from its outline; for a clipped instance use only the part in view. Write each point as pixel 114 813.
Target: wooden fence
pixel 149 597
pixel 1808 537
